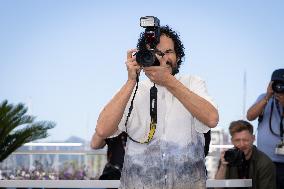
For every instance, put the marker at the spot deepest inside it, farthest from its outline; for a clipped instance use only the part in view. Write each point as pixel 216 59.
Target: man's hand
pixel 280 98
pixel 223 161
pixel 221 172
pixel 269 91
pixel 132 66
pixel 159 74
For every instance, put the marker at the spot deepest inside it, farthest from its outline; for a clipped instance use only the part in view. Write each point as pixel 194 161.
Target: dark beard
pixel 174 69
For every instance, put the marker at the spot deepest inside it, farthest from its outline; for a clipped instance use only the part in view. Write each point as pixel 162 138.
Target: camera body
pixel 278 81
pixel 147 57
pixel 235 157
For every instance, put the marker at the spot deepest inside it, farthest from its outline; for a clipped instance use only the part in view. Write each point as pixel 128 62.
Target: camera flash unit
pixel 149 21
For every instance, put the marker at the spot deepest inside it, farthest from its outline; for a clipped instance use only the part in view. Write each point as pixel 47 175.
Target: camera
pixel 278 81
pixel 146 57
pixel 234 156
pixel 278 86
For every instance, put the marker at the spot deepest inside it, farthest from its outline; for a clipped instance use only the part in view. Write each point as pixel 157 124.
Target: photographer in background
pixel 115 155
pixel 245 161
pixel 269 109
pixel 164 116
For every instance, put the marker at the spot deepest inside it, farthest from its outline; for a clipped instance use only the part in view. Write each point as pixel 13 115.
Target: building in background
pixel 55 161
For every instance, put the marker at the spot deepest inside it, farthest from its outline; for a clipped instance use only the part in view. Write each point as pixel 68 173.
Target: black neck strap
pixel 153 103
pixel 153 113
pixel 281 126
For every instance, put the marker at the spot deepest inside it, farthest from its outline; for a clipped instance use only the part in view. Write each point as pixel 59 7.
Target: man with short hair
pixel 256 165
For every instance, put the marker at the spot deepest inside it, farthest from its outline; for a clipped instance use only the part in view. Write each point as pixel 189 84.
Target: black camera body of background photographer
pixel 235 157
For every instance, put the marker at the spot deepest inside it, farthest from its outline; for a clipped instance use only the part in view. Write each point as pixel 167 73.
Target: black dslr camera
pixel 146 57
pixel 235 157
pixel 278 81
pixel 278 86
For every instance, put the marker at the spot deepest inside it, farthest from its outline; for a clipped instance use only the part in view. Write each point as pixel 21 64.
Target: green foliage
pixel 17 128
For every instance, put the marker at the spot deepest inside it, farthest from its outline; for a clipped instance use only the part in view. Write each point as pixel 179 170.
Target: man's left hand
pixel 159 74
pixel 280 98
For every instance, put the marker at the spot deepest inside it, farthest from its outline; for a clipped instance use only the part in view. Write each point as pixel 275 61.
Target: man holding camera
pixel 245 161
pixel 165 116
pixel 269 109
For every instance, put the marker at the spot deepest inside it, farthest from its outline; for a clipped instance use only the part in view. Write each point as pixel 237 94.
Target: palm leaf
pixel 13 117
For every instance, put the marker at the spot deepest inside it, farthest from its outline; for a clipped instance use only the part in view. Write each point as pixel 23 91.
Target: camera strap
pixel 153 113
pixel 153 104
pixel 281 126
pixel 281 115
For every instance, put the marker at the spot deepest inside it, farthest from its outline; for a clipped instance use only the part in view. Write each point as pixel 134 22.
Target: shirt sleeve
pixel 260 98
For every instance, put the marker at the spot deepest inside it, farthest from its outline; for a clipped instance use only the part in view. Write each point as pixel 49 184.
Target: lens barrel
pixel 234 157
pixel 278 87
pixel 147 58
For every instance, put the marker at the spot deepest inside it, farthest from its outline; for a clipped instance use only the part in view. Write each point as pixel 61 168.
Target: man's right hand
pixel 269 91
pixel 221 172
pixel 132 66
pixel 223 161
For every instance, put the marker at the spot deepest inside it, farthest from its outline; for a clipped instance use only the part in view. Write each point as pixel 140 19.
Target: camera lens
pixel 146 58
pixel 278 87
pixel 234 157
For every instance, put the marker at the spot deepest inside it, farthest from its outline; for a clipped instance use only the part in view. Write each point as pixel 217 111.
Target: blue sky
pixel 65 59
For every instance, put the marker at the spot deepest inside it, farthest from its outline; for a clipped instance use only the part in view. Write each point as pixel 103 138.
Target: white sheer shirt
pixel 175 156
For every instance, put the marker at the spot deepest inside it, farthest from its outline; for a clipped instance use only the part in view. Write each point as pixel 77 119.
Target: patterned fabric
pixel 175 156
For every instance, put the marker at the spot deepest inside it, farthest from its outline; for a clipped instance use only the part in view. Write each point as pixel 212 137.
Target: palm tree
pixel 12 117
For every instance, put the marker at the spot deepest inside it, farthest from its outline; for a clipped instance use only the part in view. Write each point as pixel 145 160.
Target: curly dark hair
pixel 178 46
